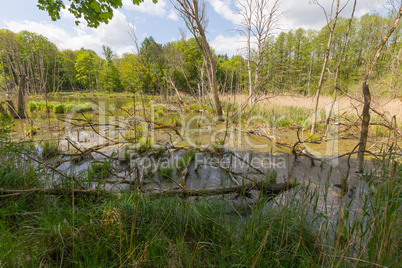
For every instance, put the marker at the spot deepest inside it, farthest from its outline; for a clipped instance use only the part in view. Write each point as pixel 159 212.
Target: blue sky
pixel 160 21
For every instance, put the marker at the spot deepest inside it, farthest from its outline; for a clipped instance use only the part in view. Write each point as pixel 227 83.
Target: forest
pixel 287 154
pixel 292 63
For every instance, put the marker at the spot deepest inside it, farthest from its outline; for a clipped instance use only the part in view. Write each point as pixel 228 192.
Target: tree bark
pixel 367 95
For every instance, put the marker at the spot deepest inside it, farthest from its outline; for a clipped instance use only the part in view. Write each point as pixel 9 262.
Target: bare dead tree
pixel 324 65
pixel 338 67
pixel 194 14
pixel 174 61
pixel 367 94
pixel 259 18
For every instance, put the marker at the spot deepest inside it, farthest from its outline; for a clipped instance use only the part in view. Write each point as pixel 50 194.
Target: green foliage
pixel 85 66
pixel 271 176
pixel 93 12
pixel 32 106
pixel 49 149
pixel 186 159
pixel 6 122
pixel 112 79
pixel 100 169
pixel 59 108
pixel 165 170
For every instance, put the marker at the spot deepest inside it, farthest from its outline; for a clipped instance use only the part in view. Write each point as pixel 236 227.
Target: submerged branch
pixel 267 189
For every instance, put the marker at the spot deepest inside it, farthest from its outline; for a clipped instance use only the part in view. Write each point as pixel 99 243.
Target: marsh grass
pixel 49 149
pixel 59 108
pixel 165 171
pixel 185 159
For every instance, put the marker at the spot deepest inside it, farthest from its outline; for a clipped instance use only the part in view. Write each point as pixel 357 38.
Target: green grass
pixel 49 149
pixel 139 230
pixel 186 159
pixel 59 108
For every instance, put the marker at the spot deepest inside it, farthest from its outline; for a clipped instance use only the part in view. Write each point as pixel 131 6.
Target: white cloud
pixel 222 7
pixel 54 33
pixel 173 15
pixel 231 45
pixel 148 7
pixel 311 16
pixel 115 34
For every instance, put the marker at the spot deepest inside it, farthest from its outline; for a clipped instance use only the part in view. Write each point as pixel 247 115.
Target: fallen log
pixel 59 191
pixel 265 188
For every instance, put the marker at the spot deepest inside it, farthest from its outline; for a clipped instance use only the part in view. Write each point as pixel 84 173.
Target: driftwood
pixel 265 188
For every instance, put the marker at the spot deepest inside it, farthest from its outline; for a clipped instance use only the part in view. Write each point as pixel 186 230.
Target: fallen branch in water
pixel 59 191
pixel 266 188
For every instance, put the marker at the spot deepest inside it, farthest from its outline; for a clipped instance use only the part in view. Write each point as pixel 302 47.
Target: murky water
pixel 243 158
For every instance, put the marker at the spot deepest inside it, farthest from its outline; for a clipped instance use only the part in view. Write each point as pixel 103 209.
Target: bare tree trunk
pixel 317 96
pixel 338 68
pixel 367 95
pixel 258 20
pixel 21 93
pixel 193 12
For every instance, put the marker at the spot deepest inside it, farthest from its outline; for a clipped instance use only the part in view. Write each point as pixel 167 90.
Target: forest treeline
pixel 293 63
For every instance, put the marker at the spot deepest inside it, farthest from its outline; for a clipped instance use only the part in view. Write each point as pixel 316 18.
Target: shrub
pixel 32 106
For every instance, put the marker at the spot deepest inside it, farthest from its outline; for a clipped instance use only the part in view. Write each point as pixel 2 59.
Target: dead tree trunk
pixel 193 12
pixel 367 95
pixel 338 69
pixel 324 66
pixel 11 109
pixel 21 93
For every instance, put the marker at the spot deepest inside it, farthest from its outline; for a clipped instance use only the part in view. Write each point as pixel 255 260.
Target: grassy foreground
pixel 127 229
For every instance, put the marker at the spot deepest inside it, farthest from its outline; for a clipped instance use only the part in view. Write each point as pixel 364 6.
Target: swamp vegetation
pixel 148 182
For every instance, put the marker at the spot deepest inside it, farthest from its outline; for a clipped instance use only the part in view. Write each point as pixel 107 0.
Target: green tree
pixel 94 12
pixel 85 67
pixel 135 75
pixel 110 74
